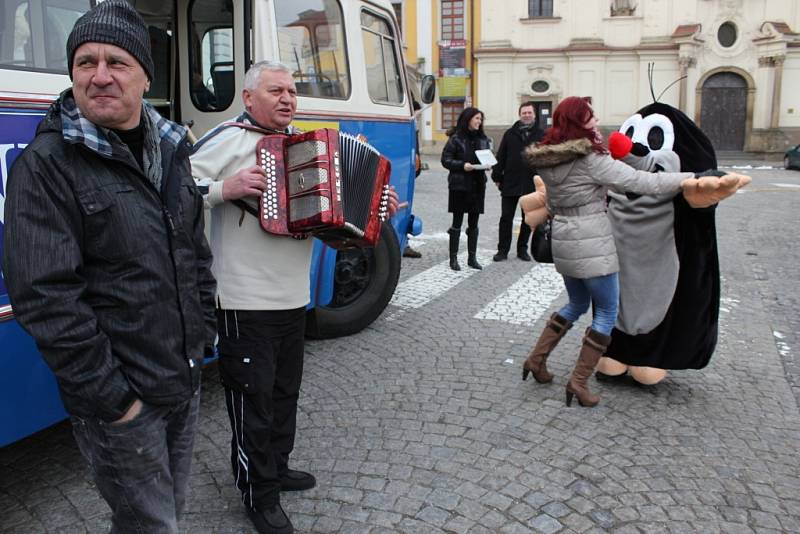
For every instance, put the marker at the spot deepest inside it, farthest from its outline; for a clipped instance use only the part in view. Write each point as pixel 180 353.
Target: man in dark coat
pixel 109 271
pixel 514 178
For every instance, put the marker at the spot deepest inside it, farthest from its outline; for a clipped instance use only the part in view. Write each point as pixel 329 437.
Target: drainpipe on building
pixel 472 71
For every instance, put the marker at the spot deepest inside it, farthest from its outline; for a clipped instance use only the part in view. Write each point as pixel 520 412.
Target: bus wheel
pixel 364 282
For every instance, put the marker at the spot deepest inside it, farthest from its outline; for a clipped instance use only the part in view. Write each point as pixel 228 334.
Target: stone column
pixel 685 62
pixel 775 64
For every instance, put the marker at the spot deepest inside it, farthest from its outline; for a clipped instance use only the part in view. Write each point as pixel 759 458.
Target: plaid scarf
pixel 77 129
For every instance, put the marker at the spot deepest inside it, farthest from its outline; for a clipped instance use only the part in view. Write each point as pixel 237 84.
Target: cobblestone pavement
pixel 421 423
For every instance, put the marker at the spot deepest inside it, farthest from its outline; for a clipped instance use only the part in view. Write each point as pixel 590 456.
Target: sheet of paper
pixel 486 158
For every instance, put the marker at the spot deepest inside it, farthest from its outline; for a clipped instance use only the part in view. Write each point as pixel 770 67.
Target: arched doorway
pixel 723 115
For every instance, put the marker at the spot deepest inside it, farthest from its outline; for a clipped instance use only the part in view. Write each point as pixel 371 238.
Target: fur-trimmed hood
pixel 544 156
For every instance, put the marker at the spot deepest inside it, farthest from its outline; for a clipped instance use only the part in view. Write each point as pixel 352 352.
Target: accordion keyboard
pixel 269 204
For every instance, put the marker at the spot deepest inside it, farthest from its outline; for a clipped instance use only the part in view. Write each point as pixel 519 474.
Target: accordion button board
pixel 269 204
pixel 324 182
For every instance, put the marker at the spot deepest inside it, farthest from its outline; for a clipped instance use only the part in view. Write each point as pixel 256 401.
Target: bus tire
pixel 365 281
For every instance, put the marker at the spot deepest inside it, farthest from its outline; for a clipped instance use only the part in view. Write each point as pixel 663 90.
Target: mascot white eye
pixel 653 131
pixel 657 132
pixel 630 125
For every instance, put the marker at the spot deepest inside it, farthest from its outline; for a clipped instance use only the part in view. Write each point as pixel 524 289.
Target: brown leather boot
pixel 536 363
pixel 594 345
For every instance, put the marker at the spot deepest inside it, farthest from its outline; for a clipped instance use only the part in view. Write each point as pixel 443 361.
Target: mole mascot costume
pixel 669 269
pixel 667 249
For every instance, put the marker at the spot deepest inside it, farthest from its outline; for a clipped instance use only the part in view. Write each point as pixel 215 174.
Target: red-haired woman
pixel 578 171
pixel 466 185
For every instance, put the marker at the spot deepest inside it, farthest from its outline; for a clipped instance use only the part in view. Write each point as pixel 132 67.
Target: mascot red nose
pixel 619 145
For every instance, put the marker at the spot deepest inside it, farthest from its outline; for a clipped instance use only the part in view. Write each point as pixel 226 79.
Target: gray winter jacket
pixel 577 180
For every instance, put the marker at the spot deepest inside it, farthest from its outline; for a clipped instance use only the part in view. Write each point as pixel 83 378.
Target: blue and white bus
pixel 349 72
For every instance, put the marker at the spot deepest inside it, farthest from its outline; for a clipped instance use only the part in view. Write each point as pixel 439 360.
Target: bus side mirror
pixel 427 89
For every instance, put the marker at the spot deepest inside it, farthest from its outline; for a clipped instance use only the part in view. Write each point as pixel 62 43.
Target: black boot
pixel 455 235
pixel 472 247
pixel 522 242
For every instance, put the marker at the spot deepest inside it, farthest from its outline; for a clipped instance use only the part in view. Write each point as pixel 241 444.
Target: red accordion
pixel 326 183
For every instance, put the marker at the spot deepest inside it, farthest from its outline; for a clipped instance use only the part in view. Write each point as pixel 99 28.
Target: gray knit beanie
pixel 113 22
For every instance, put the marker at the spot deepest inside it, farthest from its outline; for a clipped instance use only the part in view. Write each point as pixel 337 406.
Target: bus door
pixel 213 58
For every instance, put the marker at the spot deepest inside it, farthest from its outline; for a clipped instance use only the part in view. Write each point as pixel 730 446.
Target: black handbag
pixel 541 242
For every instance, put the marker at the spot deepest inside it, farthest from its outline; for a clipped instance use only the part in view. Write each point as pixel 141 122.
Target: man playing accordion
pixel 262 293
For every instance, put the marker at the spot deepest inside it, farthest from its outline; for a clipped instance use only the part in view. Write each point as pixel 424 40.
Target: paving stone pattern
pixel 421 424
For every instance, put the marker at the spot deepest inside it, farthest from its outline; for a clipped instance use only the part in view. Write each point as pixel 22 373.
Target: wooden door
pixel 724 110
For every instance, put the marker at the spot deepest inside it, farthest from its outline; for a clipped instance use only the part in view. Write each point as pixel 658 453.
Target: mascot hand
pixel 534 205
pixel 706 191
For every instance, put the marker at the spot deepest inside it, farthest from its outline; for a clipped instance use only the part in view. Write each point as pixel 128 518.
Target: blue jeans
pixel 141 467
pixel 603 291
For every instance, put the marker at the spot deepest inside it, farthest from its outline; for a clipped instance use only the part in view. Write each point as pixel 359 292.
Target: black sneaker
pixel 271 520
pixel 500 256
pixel 523 255
pixel 297 481
pixel 411 253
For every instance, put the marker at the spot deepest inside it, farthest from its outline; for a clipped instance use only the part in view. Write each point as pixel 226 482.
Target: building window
pixel 452 19
pixel 540 86
pixel 727 34
pixel 540 8
pixel 450 113
pixel 622 8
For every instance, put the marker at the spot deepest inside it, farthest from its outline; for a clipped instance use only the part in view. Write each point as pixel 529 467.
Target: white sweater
pixel 254 270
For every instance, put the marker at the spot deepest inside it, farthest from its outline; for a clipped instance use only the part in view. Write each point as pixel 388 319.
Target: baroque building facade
pixel 731 65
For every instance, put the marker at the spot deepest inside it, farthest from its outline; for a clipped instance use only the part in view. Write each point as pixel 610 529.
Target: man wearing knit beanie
pixel 110 64
pixel 113 22
pixel 123 313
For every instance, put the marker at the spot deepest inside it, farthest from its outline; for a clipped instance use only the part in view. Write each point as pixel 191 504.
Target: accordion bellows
pixel 324 182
